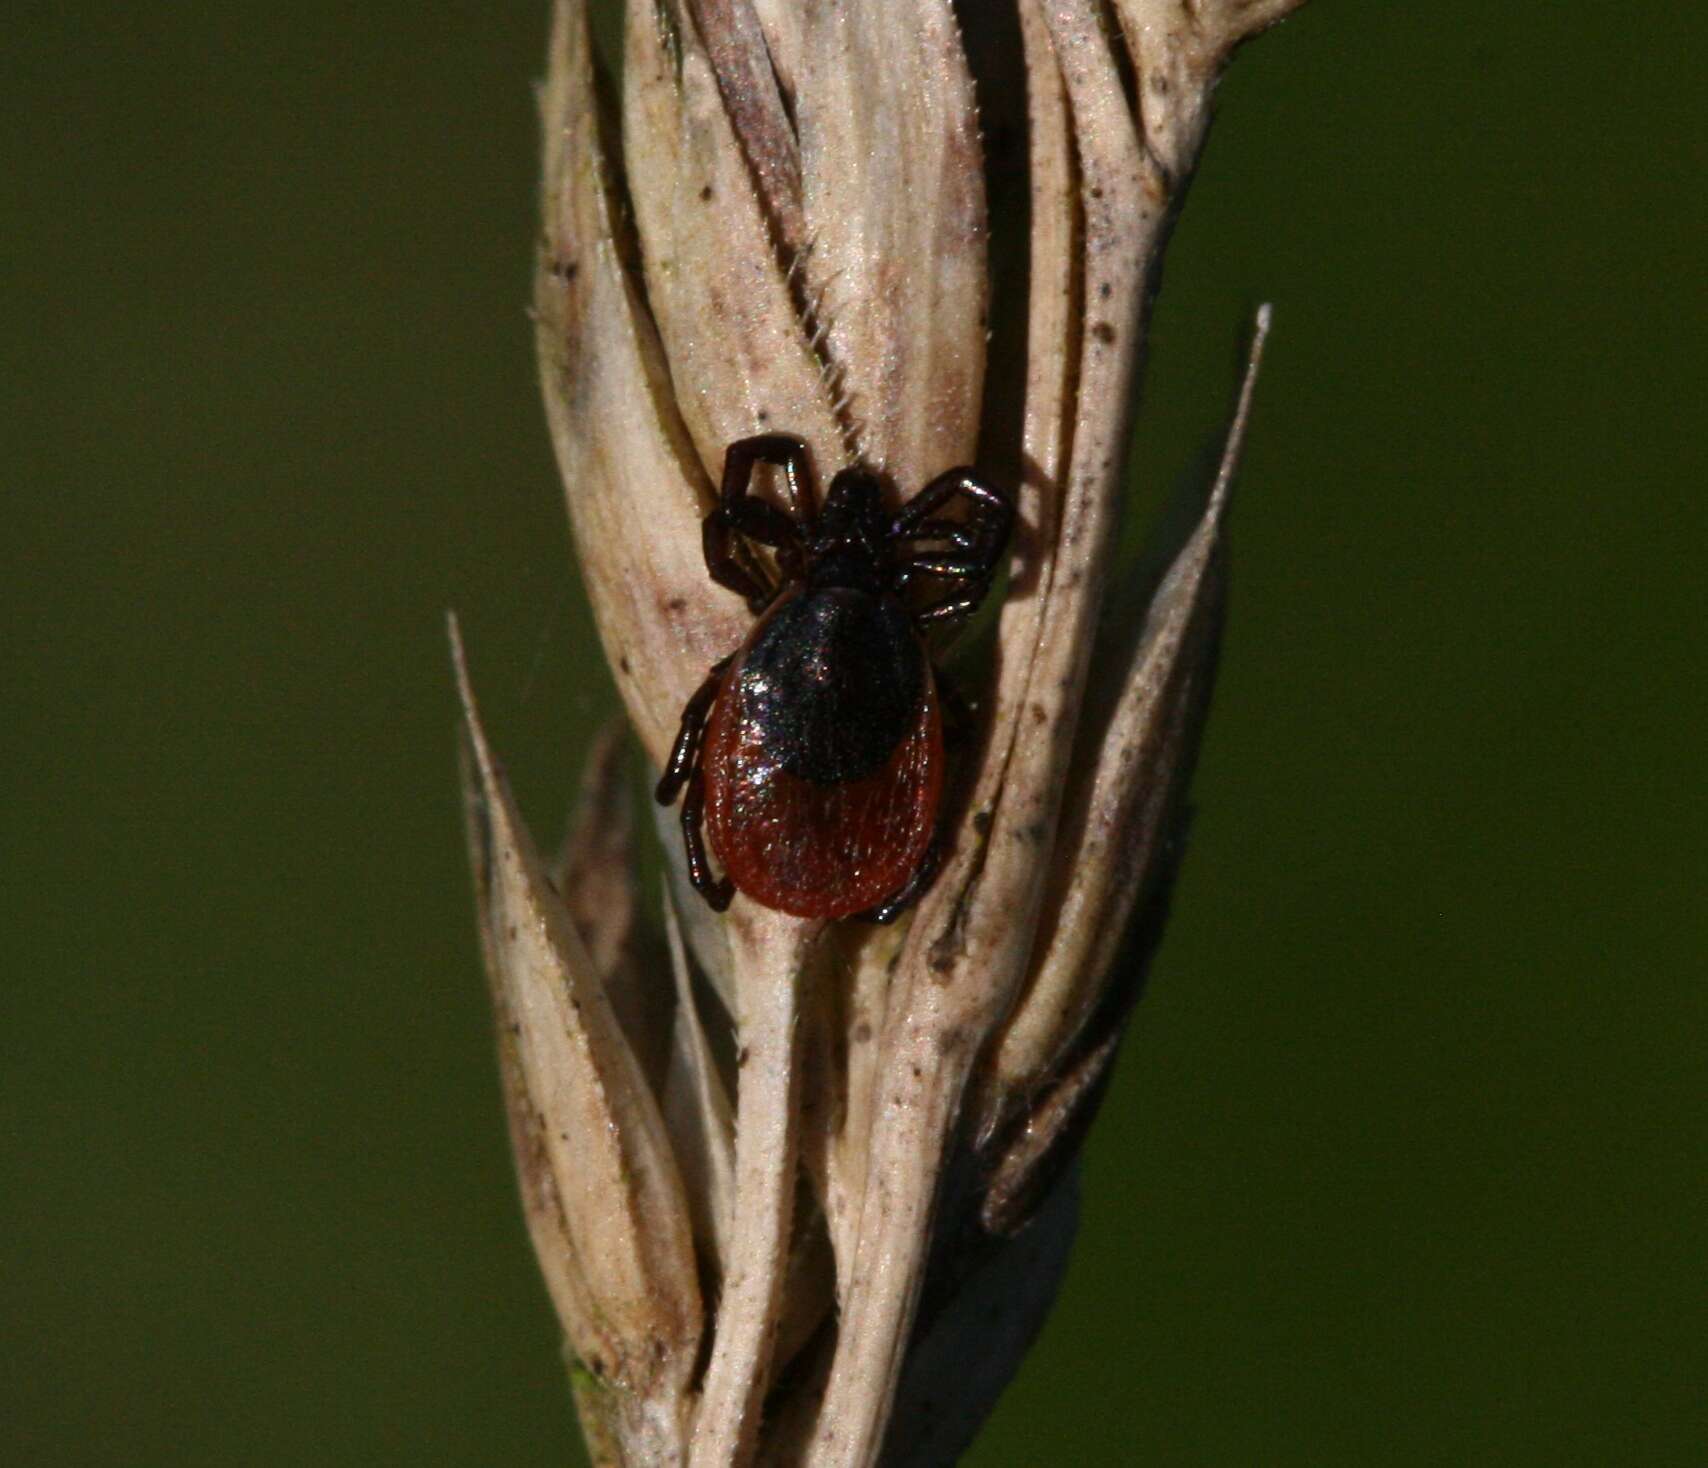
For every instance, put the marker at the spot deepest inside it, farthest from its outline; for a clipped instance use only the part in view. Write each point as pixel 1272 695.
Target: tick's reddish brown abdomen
pixel 823 757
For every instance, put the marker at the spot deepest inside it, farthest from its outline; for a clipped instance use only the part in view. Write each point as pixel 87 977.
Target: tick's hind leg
pixel 684 754
pixel 717 891
pixel 911 890
pixel 682 772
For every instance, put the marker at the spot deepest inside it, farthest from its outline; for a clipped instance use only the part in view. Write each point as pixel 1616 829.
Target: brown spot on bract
pixel 954 1038
pixel 1104 332
pixel 676 604
pixel 1040 715
pixel 862 1032
pixel 706 192
pixel 624 664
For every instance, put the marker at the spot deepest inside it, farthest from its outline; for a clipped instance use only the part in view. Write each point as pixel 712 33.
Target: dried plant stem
pixel 918 1105
pixel 770 954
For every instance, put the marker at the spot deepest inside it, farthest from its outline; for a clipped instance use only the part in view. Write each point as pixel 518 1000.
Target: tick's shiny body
pixel 812 756
pixel 824 755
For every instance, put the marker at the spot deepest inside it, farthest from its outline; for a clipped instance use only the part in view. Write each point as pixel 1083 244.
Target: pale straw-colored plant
pixel 802 1193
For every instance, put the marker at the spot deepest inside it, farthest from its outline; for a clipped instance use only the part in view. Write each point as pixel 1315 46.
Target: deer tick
pixel 812 755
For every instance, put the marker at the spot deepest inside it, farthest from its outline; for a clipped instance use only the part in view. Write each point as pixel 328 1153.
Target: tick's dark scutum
pixel 834 679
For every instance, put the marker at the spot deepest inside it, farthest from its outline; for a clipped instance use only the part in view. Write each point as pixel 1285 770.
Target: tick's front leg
pixel 788 454
pixel 717 892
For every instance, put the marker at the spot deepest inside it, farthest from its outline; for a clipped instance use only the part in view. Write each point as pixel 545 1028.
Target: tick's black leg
pixel 762 521
pixel 911 890
pixel 967 568
pixel 991 519
pixel 789 454
pixel 683 753
pixel 974 554
pixel 740 515
pixel 724 566
pixel 956 607
pixel 955 532
pixel 756 520
pixel 716 891
pixel 683 770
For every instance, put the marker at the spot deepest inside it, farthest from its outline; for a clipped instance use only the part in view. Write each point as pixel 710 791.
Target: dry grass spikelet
pixel 816 1176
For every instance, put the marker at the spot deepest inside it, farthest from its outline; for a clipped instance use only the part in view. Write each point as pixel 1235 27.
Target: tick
pixel 812 756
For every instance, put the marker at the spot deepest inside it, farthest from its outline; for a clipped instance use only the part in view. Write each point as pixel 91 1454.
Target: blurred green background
pixel 1404 1163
